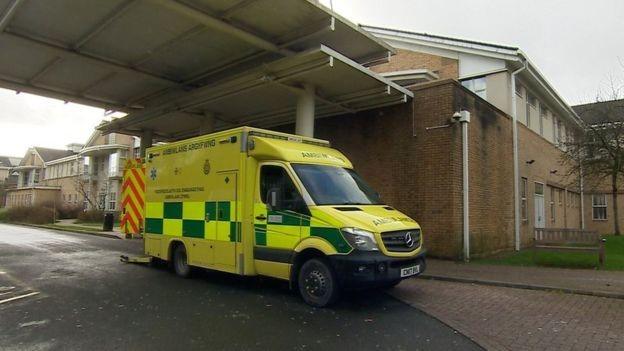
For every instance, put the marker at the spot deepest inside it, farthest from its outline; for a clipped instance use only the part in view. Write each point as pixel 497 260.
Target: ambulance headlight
pixel 360 239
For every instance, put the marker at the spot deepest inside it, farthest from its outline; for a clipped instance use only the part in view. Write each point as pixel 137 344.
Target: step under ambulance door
pixel 228 225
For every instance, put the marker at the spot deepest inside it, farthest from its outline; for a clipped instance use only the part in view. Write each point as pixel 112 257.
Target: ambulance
pixel 251 202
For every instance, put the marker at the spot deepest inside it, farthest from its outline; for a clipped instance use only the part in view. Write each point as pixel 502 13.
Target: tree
pixel 597 155
pixel 82 187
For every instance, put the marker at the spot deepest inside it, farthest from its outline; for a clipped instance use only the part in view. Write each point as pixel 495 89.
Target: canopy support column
pixel 146 141
pixel 305 111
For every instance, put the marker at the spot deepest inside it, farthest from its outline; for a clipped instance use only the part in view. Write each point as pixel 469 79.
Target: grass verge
pixel 614 249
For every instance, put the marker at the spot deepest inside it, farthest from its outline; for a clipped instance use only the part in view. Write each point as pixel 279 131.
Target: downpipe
pixel 516 170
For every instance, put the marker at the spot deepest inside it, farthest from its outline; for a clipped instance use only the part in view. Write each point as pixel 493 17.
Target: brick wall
pixel 405 60
pixel 490 173
pixel 546 159
pixel 69 194
pixel 416 171
pixel 419 171
pixel 603 187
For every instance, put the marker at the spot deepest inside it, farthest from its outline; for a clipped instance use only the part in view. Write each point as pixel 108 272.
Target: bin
pixel 108 222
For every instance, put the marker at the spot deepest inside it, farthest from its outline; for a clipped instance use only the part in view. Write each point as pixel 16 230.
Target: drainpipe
pixel 582 196
pixel 464 119
pixel 516 170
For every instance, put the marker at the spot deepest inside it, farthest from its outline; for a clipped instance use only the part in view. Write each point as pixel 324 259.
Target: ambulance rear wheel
pixel 317 283
pixel 180 262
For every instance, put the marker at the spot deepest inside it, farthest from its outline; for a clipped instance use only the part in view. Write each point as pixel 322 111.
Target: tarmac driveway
pixel 83 298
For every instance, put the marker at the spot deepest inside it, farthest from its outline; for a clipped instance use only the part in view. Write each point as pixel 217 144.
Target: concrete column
pixel 305 112
pixel 146 141
pixel 207 124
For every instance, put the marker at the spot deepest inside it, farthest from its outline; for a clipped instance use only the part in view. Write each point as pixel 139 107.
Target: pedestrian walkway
pixel 580 281
pixel 500 318
pixel 69 225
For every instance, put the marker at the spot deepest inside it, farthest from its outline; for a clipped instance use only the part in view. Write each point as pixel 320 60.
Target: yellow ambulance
pixel 257 202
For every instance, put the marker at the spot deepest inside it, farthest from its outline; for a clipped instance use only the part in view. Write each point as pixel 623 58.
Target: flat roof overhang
pixel 127 55
pixel 101 150
pixel 266 96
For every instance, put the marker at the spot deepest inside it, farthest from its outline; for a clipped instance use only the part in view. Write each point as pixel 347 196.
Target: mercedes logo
pixel 408 239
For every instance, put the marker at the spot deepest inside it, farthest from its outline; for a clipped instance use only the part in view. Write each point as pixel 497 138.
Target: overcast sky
pixel 576 44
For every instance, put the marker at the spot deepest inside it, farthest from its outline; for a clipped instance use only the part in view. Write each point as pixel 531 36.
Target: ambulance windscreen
pixel 331 185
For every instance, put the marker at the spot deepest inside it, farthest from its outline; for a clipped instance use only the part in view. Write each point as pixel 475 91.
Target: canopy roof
pixel 131 55
pixel 120 53
pixel 266 96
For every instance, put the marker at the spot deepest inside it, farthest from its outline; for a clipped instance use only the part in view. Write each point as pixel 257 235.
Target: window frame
pixel 601 206
pixel 469 84
pixel 519 90
pixel 553 212
pixel 112 201
pixel 294 179
pixel 543 114
pixel 528 114
pixel 524 209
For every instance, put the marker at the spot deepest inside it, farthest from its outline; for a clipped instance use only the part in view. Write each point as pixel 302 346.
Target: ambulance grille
pixel 399 241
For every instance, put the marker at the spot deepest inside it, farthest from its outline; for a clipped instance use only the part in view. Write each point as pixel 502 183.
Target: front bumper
pixel 372 268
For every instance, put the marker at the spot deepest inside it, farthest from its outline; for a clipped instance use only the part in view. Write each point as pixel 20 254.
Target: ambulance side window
pixel 276 177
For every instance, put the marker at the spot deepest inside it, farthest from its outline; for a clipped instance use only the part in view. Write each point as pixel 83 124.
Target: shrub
pixel 34 215
pixel 68 211
pixel 91 216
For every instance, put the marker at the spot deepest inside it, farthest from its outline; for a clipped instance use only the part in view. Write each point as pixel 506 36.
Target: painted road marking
pixel 18 297
pixel 33 323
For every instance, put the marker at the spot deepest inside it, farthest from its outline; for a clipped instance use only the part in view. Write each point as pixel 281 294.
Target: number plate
pixel 408 271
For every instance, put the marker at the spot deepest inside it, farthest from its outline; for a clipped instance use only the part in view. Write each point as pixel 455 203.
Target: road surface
pixel 65 291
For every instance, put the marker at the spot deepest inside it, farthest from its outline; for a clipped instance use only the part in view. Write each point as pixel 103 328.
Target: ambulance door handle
pixel 261 217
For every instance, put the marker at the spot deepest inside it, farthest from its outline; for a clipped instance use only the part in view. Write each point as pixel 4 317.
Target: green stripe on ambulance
pixel 213 220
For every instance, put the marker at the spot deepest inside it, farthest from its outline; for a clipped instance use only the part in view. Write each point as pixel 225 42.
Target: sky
pixel 578 45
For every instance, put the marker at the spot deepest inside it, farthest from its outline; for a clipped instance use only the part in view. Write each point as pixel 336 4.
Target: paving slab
pixel 500 318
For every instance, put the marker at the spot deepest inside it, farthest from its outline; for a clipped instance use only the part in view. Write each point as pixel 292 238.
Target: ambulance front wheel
pixel 180 262
pixel 317 283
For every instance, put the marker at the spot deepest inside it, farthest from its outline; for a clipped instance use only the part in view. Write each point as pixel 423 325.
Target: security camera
pixel 461 116
pixel 456 117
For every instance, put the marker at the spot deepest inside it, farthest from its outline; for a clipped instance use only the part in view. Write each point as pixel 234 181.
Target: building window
pixel 554 130
pixel 552 204
pixel 543 116
pixel 112 201
pixel 523 198
pixel 137 152
pixel 113 162
pixel 531 100
pixel 539 189
pixel 519 89
pixel 560 193
pixel 477 86
pixel 528 115
pixel 111 138
pixel 599 207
